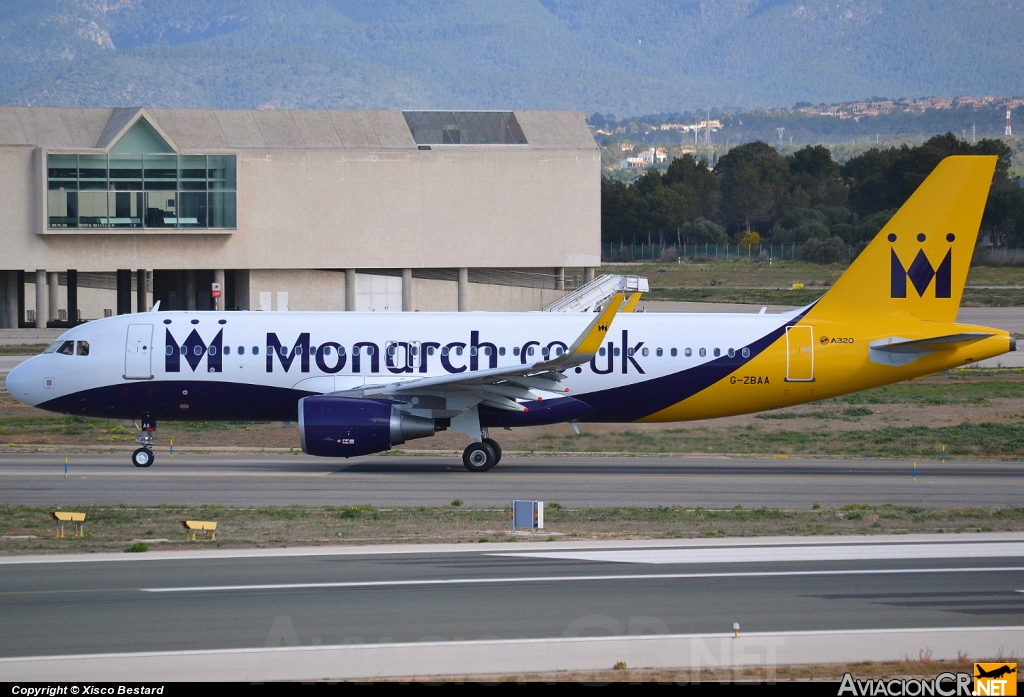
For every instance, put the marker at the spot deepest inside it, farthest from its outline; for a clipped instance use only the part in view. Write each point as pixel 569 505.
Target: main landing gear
pixel 482 456
pixel 143 457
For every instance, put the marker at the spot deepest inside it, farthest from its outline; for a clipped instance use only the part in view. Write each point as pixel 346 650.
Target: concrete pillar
pixel 42 311
pixel 218 277
pixel 463 290
pixel 350 290
pixel 407 290
pixel 124 291
pixel 190 290
pixel 53 288
pixel 72 297
pixel 141 304
pixel 588 274
pixel 559 278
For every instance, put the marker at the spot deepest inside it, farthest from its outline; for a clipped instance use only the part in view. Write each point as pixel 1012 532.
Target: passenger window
pixel 645 352
pixel 600 351
pixel 618 351
pixel 341 350
pixel 501 351
pixel 67 348
pixel 270 350
pixel 430 350
pixel 415 350
pixel 688 352
pixel 629 352
pixel 703 352
pixel 169 350
pixel 718 352
pixel 659 352
pixel 392 350
pixel 444 351
pixel 83 348
pixel 529 351
pixel 559 350
pixel 458 350
pixel 212 350
pixel 256 350
pixel 227 350
pixel 732 353
pixel 543 351
pixel 472 350
pixel 515 350
pixel 198 350
pixel 745 353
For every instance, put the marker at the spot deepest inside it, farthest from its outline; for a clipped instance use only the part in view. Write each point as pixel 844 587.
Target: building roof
pixel 209 129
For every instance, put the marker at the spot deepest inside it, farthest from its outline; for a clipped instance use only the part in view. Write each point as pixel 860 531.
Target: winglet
pixel 593 336
pixel 631 304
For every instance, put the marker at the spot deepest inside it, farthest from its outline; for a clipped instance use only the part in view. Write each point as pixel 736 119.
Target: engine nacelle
pixel 347 427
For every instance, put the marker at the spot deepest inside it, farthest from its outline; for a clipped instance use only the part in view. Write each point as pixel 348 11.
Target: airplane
pixel 361 383
pixel 995 672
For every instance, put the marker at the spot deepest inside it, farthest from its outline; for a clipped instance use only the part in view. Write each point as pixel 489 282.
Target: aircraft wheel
pixel 495 447
pixel 479 457
pixel 143 457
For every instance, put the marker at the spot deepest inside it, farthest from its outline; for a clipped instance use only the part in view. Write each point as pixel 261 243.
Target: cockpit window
pixel 53 347
pixel 67 348
pixel 83 348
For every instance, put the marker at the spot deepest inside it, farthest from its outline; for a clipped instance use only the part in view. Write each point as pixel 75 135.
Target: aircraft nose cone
pixel 19 384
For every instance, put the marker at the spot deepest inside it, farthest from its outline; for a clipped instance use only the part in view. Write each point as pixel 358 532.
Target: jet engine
pixel 347 427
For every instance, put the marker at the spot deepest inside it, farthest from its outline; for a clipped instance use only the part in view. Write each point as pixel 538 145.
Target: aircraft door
pixel 138 351
pixel 799 354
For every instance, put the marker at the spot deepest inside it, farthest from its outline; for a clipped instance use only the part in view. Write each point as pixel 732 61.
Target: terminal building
pixel 106 211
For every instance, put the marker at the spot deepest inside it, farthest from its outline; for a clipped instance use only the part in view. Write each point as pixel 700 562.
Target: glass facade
pixel 141 191
pixel 465 128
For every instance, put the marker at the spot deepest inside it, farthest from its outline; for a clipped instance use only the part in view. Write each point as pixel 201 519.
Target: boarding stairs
pixel 590 296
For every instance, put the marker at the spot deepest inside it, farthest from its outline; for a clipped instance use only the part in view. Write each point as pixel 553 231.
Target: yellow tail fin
pixel 918 262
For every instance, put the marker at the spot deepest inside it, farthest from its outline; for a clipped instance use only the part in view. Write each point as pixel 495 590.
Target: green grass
pixel 987 440
pixel 932 393
pixel 21 349
pixel 111 528
pixel 981 297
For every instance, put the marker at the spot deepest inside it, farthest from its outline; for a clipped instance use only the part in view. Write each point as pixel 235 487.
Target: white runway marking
pixel 787 554
pixel 562 579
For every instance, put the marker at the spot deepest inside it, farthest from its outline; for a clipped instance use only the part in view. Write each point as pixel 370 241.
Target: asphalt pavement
pixel 290 600
pixel 397 480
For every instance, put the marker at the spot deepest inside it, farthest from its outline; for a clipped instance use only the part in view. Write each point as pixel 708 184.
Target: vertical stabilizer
pixel 918 262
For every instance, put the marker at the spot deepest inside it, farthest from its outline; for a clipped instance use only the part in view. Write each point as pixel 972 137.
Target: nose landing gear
pixel 143 457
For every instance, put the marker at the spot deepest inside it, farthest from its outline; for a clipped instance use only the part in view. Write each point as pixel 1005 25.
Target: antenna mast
pixel 780 131
pixel 1009 129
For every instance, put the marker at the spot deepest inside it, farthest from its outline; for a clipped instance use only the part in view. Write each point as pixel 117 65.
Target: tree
pixel 755 186
pixel 813 170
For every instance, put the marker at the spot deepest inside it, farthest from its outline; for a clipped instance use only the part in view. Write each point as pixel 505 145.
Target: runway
pixel 257 610
pixel 262 480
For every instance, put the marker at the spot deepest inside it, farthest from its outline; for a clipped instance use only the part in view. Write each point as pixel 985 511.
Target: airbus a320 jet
pixel 361 383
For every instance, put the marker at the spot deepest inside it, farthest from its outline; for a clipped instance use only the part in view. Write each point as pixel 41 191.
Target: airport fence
pixel 667 253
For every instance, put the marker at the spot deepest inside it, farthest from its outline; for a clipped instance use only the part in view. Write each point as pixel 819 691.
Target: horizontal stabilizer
pixel 899 351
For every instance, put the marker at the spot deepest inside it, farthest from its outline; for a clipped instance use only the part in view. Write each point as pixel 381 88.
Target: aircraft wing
pixel 501 387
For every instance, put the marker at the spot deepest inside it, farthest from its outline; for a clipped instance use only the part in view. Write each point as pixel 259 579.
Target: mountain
pixel 619 56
